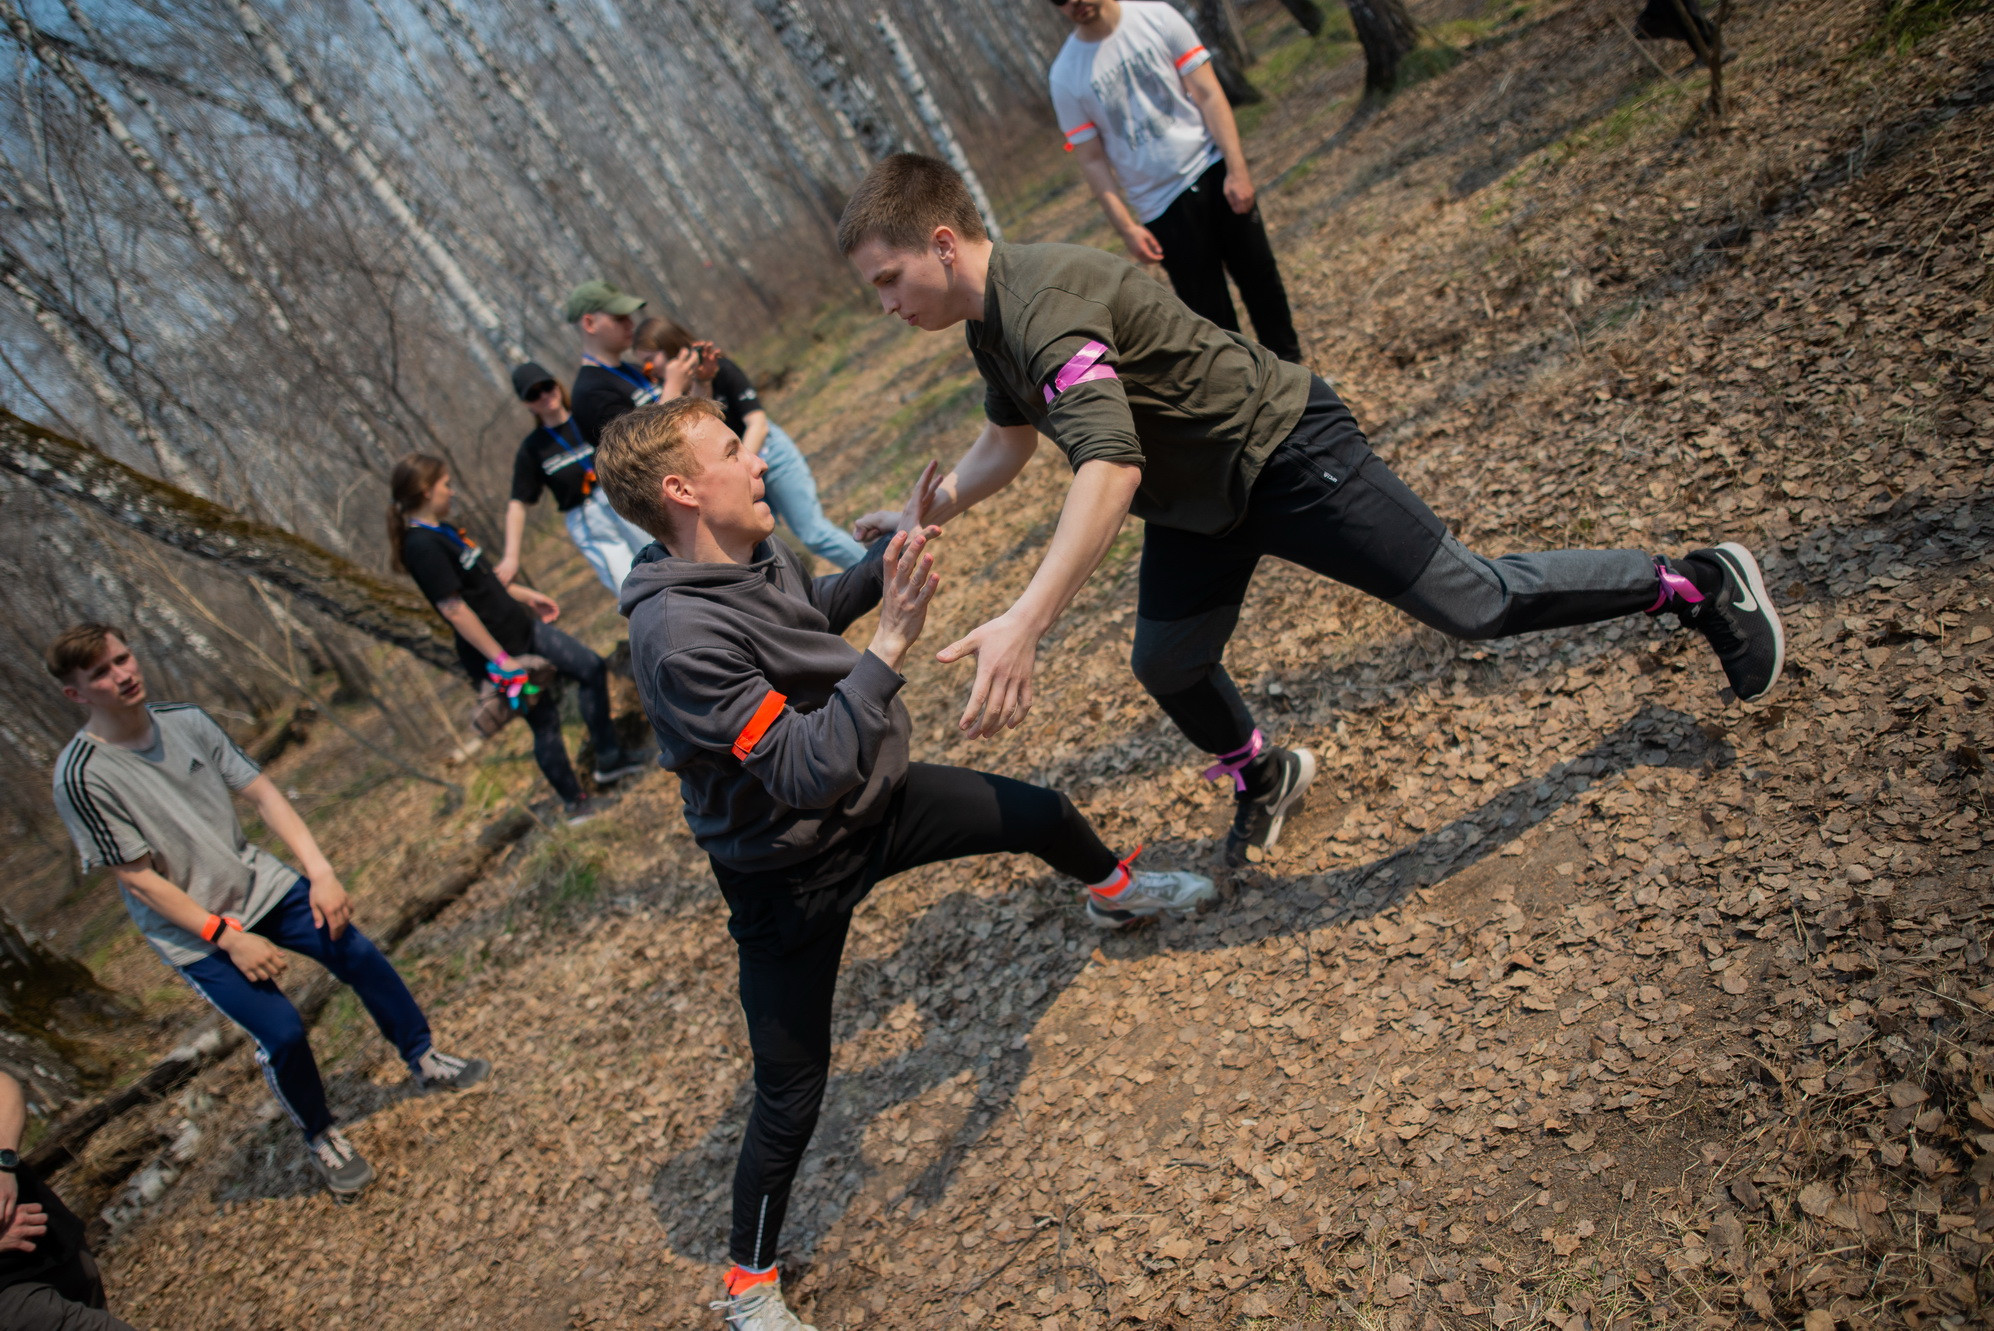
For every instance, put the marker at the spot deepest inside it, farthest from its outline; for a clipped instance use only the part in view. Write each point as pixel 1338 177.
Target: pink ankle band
pixel 1673 584
pixel 1232 764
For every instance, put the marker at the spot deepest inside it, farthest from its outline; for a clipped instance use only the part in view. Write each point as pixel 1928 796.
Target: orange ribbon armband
pixel 758 724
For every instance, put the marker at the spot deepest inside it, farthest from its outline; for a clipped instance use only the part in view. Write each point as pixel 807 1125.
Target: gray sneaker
pixel 759 1308
pixel 1151 893
pixel 618 767
pixel 446 1072
pixel 344 1170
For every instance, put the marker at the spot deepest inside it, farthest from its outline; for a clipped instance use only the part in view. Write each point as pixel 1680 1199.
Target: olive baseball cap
pixel 599 297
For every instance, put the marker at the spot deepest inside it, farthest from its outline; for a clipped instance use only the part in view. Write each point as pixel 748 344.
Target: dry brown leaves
pixel 1575 998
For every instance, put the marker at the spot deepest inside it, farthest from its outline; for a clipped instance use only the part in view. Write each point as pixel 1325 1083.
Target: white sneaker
pixel 759 1308
pixel 1150 893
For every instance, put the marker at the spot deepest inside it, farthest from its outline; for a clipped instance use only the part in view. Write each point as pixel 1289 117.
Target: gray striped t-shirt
pixel 120 805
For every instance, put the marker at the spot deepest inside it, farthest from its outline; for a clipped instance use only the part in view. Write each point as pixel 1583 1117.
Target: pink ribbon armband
pixel 1232 764
pixel 1085 365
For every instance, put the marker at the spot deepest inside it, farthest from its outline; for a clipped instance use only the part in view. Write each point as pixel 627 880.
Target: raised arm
pixel 992 462
pixel 1006 648
pixel 719 700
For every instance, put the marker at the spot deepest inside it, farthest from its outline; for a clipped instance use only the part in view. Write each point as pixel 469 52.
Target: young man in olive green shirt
pixel 1229 455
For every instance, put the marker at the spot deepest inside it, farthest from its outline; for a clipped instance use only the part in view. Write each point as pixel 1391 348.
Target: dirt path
pixel 1576 997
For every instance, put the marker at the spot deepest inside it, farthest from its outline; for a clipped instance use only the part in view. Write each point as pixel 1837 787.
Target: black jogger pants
pixel 791 944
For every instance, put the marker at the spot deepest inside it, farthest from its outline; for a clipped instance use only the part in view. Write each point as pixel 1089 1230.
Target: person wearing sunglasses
pixel 555 459
pixel 1141 108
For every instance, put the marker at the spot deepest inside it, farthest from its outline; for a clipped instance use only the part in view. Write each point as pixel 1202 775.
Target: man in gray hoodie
pixel 791 750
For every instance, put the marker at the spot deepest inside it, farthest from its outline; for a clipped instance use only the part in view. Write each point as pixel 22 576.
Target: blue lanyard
pixel 580 445
pixel 643 385
pixel 456 537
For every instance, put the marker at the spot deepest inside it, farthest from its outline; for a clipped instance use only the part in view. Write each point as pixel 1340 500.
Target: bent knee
pixel 1172 656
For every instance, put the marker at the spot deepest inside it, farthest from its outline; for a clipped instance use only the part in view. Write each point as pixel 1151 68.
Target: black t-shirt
pixel 444 567
pixel 601 395
pixel 557 460
pixel 735 395
pixel 53 1262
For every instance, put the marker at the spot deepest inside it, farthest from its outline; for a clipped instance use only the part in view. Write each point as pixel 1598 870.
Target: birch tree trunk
pixel 1218 23
pixel 207 531
pixel 264 282
pixel 107 392
pixel 205 236
pixel 497 342
pixel 683 202
pixel 851 98
pixel 931 117
pixel 1388 34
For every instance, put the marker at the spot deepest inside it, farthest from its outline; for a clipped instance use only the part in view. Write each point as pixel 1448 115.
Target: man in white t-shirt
pixel 1141 107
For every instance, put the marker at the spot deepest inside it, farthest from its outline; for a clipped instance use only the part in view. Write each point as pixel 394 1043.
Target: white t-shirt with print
pixel 1128 90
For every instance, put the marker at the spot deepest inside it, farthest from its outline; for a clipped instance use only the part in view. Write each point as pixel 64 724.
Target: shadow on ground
pixel 1002 969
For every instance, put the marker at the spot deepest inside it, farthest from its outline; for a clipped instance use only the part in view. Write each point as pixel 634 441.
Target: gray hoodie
pixel 709 644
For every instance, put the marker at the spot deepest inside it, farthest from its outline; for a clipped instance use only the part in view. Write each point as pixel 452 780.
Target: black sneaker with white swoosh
pixel 1739 622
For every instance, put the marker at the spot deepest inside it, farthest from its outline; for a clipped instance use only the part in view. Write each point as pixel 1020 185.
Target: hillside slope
pixel 1576 996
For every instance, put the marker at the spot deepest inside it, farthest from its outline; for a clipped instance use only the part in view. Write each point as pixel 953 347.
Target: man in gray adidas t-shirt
pixel 146 792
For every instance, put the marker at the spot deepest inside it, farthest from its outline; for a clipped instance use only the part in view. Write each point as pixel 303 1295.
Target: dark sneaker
pixel 1149 894
pixel 617 767
pixel 1739 621
pixel 439 1071
pixel 1257 823
pixel 344 1171
pixel 587 807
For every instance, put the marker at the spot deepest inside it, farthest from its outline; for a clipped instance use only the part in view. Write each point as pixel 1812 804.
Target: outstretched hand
pixel 1006 651
pixel 909 587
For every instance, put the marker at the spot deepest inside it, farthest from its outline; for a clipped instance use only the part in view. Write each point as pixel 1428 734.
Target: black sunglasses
pixel 535 394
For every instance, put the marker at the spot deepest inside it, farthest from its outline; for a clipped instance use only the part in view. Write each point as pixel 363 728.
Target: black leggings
pixel 591 675
pixel 791 945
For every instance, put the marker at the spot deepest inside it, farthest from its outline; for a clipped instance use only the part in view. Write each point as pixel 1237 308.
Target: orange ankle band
pixel 740 1279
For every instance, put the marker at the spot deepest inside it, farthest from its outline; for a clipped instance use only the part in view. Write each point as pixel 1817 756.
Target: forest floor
pixel 1575 997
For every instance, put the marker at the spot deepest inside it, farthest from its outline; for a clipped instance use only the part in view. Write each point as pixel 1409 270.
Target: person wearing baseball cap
pixel 556 459
pixel 607 386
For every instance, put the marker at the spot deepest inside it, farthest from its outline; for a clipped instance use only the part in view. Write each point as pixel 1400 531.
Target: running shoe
pixel 447 1072
pixel 1739 621
pixel 1149 894
pixel 344 1170
pixel 617 767
pixel 1257 822
pixel 587 807
pixel 759 1307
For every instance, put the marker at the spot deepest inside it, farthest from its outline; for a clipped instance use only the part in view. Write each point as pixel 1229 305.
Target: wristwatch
pixel 9 1161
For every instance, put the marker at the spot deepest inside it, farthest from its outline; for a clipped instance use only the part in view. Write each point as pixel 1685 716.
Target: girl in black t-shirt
pixel 788 486
pixel 496 624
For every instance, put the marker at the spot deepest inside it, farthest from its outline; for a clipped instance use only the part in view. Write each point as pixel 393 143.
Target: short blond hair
pixel 638 450
pixel 901 201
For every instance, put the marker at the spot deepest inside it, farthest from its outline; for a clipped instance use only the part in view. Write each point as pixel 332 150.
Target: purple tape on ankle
pixel 1673 584
pixel 1232 764
pixel 1084 366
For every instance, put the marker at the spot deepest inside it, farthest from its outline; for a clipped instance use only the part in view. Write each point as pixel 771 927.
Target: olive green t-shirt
pixel 1106 362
